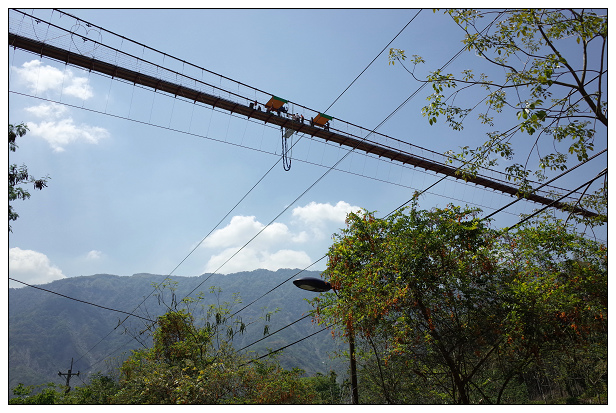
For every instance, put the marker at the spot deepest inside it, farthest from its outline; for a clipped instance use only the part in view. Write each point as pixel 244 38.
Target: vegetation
pixel 193 362
pixel 550 84
pixel 46 330
pixel 446 310
pixel 442 308
pixel 19 175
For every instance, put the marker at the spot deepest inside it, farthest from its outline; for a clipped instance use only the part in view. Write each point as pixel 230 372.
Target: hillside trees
pixel 19 175
pixel 194 362
pixel 545 78
pixel 447 310
pixel 191 361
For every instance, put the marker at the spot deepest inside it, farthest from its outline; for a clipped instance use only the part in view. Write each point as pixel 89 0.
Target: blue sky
pixel 138 179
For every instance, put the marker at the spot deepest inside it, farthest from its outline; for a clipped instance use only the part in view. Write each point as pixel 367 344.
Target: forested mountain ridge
pixel 46 330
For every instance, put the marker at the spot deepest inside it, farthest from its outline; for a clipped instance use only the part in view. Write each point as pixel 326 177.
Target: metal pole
pixel 354 391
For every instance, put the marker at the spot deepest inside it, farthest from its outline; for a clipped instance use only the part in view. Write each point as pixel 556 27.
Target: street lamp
pixel 313 284
pixel 317 285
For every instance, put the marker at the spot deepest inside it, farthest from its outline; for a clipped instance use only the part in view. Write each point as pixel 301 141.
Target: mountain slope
pixel 46 331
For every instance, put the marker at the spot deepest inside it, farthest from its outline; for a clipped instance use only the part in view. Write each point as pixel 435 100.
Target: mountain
pixel 47 330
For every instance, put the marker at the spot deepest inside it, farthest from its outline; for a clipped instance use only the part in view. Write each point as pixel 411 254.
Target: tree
pixel 194 362
pixel 553 88
pixel 557 313
pixel 19 175
pixel 447 310
pixel 185 367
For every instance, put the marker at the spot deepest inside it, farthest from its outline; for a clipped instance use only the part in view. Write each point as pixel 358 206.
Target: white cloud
pixel 270 249
pixel 94 255
pixel 323 218
pixel 48 110
pixel 243 228
pixel 60 132
pixel 319 214
pixel 249 259
pixel 31 267
pixel 41 78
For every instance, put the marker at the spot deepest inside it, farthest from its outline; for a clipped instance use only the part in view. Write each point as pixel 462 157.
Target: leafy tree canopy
pixel 446 301
pixel 19 175
pixel 552 87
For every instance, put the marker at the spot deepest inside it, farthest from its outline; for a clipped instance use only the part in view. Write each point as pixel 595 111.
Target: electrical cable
pixel 373 60
pixel 222 90
pixel 551 180
pixel 459 168
pixel 293 276
pixel 343 157
pixel 264 177
pixel 604 172
pixel 311 186
pixel 378 126
pixel 282 348
pixel 81 301
pixel 271 334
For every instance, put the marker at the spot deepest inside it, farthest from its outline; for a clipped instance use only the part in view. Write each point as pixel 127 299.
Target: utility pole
pixel 68 377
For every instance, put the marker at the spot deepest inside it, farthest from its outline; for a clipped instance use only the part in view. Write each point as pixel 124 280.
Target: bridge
pixel 241 105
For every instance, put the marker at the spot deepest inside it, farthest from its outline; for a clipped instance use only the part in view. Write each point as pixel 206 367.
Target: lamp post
pixel 319 286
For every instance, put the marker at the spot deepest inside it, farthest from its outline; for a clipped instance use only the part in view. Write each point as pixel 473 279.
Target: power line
pixel 317 180
pixel 269 335
pixel 265 151
pixel 399 107
pixel 544 184
pixel 81 301
pixel 285 209
pixel 288 345
pixel 251 191
pixel 263 295
pixel 351 150
pixel 604 172
pixel 376 57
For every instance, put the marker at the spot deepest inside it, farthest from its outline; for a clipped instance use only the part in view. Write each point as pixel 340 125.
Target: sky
pixel 139 179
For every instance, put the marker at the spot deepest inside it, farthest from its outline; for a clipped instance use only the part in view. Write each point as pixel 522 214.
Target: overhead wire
pixel 78 300
pixel 440 180
pixel 284 347
pixel 604 172
pixel 547 182
pixel 330 168
pixel 400 106
pixel 318 180
pixel 348 152
pixel 373 60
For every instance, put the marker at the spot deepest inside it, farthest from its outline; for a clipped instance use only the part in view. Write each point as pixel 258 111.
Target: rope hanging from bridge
pixel 287 146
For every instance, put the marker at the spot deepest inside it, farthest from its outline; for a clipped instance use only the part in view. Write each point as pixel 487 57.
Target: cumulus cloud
pixel 320 217
pixel 316 213
pixel 243 228
pixel 262 252
pixel 59 131
pixel 48 110
pixel 94 255
pixel 31 267
pixel 270 249
pixel 250 258
pixel 40 78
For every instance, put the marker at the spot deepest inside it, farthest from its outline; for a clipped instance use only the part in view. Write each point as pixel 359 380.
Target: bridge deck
pixel 332 135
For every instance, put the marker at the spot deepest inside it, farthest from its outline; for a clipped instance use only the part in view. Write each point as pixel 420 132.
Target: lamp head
pixel 312 284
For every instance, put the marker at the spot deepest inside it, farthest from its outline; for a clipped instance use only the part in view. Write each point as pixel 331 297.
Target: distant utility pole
pixel 68 377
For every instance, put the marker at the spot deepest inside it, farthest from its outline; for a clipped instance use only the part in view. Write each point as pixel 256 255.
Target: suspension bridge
pixel 60 44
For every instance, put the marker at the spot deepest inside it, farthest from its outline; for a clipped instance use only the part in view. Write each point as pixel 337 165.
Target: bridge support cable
pixel 250 111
